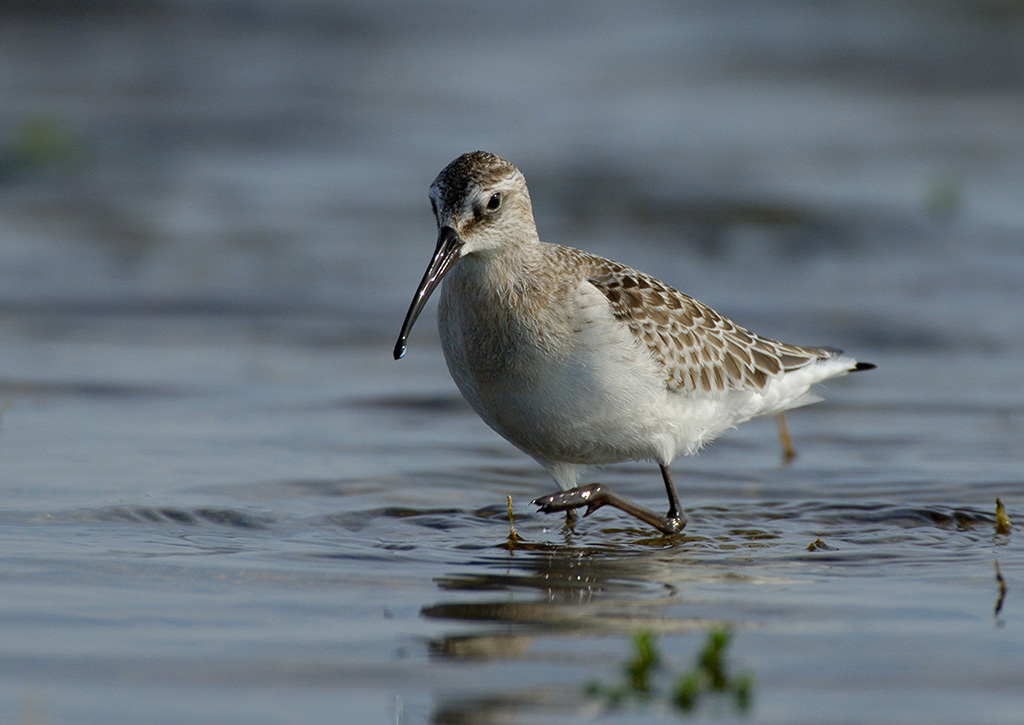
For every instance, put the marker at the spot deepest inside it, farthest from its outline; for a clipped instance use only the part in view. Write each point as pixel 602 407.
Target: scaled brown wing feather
pixel 699 349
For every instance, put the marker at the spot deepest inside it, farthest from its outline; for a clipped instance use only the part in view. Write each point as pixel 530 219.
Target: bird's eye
pixel 494 202
pixel 433 207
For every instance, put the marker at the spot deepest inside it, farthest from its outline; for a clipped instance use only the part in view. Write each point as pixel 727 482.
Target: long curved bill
pixel 449 246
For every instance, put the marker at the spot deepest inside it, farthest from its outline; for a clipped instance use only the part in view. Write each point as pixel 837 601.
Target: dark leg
pixel 594 496
pixel 675 516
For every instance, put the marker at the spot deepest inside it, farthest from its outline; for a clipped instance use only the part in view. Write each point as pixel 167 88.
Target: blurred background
pixel 221 499
pixel 236 156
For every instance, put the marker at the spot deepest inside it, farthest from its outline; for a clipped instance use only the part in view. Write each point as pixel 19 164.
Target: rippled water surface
pixel 221 500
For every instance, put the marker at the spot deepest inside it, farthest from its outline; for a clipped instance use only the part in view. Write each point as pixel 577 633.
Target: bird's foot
pixel 594 496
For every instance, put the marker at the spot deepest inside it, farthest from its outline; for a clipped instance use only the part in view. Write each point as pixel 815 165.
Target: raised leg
pixel 594 496
pixel 788 452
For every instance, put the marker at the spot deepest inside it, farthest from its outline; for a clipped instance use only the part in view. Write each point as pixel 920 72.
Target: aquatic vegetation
pixel 644 662
pixel 513 535
pixel 1002 520
pixel 41 142
pixel 818 545
pixel 1002 589
pixel 709 676
pixel 1002 529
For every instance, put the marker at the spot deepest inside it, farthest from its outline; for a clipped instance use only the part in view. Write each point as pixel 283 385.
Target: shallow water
pixel 224 502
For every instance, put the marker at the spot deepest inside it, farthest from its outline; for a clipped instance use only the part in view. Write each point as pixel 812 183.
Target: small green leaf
pixel 1002 520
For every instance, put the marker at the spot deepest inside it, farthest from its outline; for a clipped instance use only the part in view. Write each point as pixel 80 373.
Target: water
pixel 224 502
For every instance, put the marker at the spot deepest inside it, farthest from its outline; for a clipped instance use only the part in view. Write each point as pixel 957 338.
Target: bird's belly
pixel 571 407
pixel 565 419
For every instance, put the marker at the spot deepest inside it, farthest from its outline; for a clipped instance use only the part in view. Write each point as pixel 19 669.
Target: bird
pixel 580 361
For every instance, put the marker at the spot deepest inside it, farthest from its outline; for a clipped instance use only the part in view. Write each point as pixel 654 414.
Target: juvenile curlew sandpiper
pixel 578 360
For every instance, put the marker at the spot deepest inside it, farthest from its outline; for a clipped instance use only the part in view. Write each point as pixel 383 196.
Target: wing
pixel 698 348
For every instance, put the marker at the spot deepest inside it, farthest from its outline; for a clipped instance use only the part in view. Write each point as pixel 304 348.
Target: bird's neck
pixel 499 272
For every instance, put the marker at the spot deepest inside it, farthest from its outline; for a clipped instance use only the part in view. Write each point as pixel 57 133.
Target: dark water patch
pixel 829 513
pixel 479 647
pixel 384 554
pixel 753 535
pixel 88 389
pixel 831 510
pixel 419 403
pixel 231 517
pixel 508 612
pixel 280 317
pixel 539 703
pixel 238 306
pixel 606 615
pixel 182 517
pixel 321 487
pixel 443 519
pixel 440 518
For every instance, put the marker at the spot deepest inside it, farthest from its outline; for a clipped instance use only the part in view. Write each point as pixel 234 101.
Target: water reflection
pixel 536 612
pixel 614 586
pixel 562 600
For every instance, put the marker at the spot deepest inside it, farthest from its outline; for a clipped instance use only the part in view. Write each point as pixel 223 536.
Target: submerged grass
pixel 709 676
